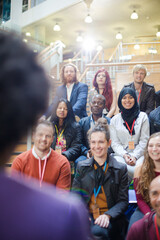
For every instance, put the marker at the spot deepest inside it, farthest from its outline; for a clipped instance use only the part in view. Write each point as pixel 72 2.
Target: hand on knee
pixel 103 220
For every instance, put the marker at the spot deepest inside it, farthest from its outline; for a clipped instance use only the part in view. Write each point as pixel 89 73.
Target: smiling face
pixel 101 78
pixel 62 110
pixel 139 76
pixel 154 149
pixel 99 145
pixel 69 74
pixel 154 194
pixel 128 101
pixel 43 137
pixel 97 105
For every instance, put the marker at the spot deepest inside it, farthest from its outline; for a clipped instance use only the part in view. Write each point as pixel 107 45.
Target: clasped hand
pixel 103 220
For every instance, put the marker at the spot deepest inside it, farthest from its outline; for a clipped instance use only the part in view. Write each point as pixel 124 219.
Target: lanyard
pixel 41 175
pixel 96 193
pixel 157 232
pixel 59 135
pixel 139 95
pixel 130 130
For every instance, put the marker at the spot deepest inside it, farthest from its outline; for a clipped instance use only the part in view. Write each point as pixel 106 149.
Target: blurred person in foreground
pixel 28 212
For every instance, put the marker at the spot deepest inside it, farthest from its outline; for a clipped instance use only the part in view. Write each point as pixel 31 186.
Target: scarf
pixel 128 115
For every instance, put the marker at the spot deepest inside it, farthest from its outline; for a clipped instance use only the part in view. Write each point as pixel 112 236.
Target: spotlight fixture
pixel 88 18
pixel 136 46
pixel 56 27
pixel 28 34
pixel 79 38
pixel 152 50
pixel 158 33
pixel 119 36
pixel 134 15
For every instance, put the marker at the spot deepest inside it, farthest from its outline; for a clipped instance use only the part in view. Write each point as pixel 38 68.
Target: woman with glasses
pixel 67 140
pixel 102 85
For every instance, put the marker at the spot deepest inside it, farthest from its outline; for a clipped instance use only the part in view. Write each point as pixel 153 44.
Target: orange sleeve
pixel 17 164
pixel 64 180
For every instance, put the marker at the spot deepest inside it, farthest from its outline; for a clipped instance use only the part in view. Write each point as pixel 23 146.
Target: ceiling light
pixel 88 18
pixel 99 48
pixel 79 38
pixel 89 44
pixel 134 15
pixel 28 34
pixel 136 47
pixel 25 40
pixel 158 33
pixel 119 35
pixel 56 27
pixel 152 50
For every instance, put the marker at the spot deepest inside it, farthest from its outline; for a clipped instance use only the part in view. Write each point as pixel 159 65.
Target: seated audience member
pixel 148 227
pixel 97 105
pixel 129 131
pixel 72 90
pixel 41 161
pixel 67 139
pixel 26 211
pixel 143 176
pixel 154 120
pixel 145 92
pixel 157 97
pixel 103 183
pixel 102 85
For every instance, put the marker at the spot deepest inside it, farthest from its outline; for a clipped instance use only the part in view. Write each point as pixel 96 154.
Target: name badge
pixel 131 145
pixel 58 149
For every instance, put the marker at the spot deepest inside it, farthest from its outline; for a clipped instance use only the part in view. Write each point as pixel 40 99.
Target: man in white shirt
pixel 72 90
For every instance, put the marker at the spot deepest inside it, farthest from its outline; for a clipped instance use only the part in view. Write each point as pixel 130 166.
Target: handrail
pixel 121 63
pixel 87 68
pixel 76 55
pixel 45 60
pixel 114 51
pixel 44 51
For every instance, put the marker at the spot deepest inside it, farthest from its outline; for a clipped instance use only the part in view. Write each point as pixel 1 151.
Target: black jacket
pixel 154 120
pixel 72 135
pixel 115 184
pixel 147 97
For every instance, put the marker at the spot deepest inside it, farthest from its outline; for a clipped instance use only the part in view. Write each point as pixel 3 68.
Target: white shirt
pixel 36 156
pixel 69 91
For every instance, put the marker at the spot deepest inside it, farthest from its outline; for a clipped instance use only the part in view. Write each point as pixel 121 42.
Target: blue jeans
pixel 115 231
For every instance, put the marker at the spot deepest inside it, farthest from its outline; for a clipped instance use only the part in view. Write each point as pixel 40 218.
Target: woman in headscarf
pixel 129 131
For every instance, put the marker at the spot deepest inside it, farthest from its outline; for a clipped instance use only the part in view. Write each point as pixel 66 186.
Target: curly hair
pixel 107 93
pixel 70 118
pixel 147 172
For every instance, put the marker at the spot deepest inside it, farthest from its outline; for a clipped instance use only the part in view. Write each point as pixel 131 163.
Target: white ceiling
pixel 109 17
